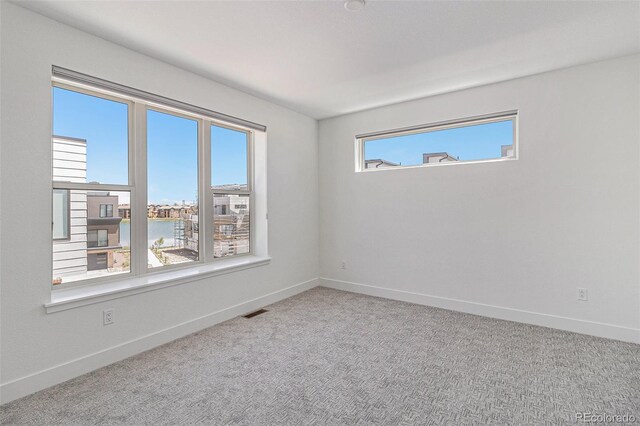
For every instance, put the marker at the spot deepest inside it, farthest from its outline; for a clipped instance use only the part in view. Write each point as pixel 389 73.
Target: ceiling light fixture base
pixel 354 5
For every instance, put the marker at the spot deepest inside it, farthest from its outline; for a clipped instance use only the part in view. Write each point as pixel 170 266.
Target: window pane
pixel 92 238
pixel 97 246
pixel 468 143
pixel 228 158
pixel 91 138
pixel 60 214
pixel 172 205
pixel 231 222
pixel 102 238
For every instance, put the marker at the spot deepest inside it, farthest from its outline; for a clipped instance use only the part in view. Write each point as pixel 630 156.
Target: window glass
pixel 228 159
pixel 92 191
pixel 60 220
pixel 172 203
pixel 97 246
pixel 468 142
pixel 231 223
pixel 90 138
pixel 106 210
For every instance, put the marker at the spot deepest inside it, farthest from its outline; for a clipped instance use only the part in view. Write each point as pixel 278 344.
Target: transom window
pixel 487 138
pixel 114 216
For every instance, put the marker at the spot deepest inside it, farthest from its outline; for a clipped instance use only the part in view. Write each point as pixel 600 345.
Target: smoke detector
pixel 354 5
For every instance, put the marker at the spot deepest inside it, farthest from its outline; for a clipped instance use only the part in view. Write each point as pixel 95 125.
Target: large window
pixel 113 216
pixel 230 183
pixel 486 138
pixel 172 196
pixel 90 147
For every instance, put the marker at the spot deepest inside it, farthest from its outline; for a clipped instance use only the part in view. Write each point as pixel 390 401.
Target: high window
pixel 187 198
pixel 486 138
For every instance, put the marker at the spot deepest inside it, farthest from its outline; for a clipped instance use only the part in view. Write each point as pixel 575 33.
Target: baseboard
pixel 43 379
pixel 598 329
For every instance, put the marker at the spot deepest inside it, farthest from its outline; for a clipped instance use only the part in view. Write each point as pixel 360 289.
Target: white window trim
pixel 63 299
pixel 141 278
pixel 361 139
pixel 250 191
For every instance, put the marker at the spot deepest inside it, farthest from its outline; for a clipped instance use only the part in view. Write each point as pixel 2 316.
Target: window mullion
pixel 139 196
pixel 206 193
pixel 250 187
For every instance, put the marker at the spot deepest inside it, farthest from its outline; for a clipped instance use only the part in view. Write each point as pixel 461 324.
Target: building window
pixel 106 210
pixel 97 238
pixel 97 127
pixel 230 183
pixel 60 222
pixel 486 138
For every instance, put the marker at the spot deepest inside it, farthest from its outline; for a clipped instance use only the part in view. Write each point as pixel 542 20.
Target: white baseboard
pixel 60 373
pixel 598 329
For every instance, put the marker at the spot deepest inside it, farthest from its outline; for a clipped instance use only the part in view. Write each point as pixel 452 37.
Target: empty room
pixel 339 212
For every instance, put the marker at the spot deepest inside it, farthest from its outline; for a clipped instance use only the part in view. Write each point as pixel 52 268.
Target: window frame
pixel 137 183
pixel 89 187
pixel 362 139
pixel 144 200
pixel 250 135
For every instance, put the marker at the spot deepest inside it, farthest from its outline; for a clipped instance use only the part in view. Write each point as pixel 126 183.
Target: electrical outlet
pixel 343 265
pixel 107 317
pixel 582 294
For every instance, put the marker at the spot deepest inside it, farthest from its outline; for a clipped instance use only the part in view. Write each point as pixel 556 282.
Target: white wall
pixel 39 349
pixel 508 239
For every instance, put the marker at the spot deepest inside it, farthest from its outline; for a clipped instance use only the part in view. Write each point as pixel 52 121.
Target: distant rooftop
pixel 377 163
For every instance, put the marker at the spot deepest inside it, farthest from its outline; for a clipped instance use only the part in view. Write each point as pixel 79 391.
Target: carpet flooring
pixel 337 358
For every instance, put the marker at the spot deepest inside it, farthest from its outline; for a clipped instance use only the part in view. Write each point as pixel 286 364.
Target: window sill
pixel 69 298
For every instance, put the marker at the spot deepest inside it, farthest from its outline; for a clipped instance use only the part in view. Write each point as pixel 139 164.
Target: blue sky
pixel 171 146
pixel 172 158
pixel 467 143
pixel 228 156
pixel 103 124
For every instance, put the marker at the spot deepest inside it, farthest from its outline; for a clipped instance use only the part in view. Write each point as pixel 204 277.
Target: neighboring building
pixel 170 212
pixel 427 158
pixel 103 229
pixel 190 232
pixel 85 224
pixel 124 211
pixel 437 157
pixel 379 164
pixel 231 223
pixel 506 150
pixel 69 220
pixel 152 211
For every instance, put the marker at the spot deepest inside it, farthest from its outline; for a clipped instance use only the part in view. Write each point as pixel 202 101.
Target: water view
pixel 157 228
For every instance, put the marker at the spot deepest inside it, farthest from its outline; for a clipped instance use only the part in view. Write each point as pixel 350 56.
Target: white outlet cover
pixel 107 317
pixel 583 294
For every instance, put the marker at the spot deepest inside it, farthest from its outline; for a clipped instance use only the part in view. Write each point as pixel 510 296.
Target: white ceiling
pixel 322 60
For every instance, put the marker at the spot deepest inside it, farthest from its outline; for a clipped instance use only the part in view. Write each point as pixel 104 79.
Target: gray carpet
pixel 330 357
